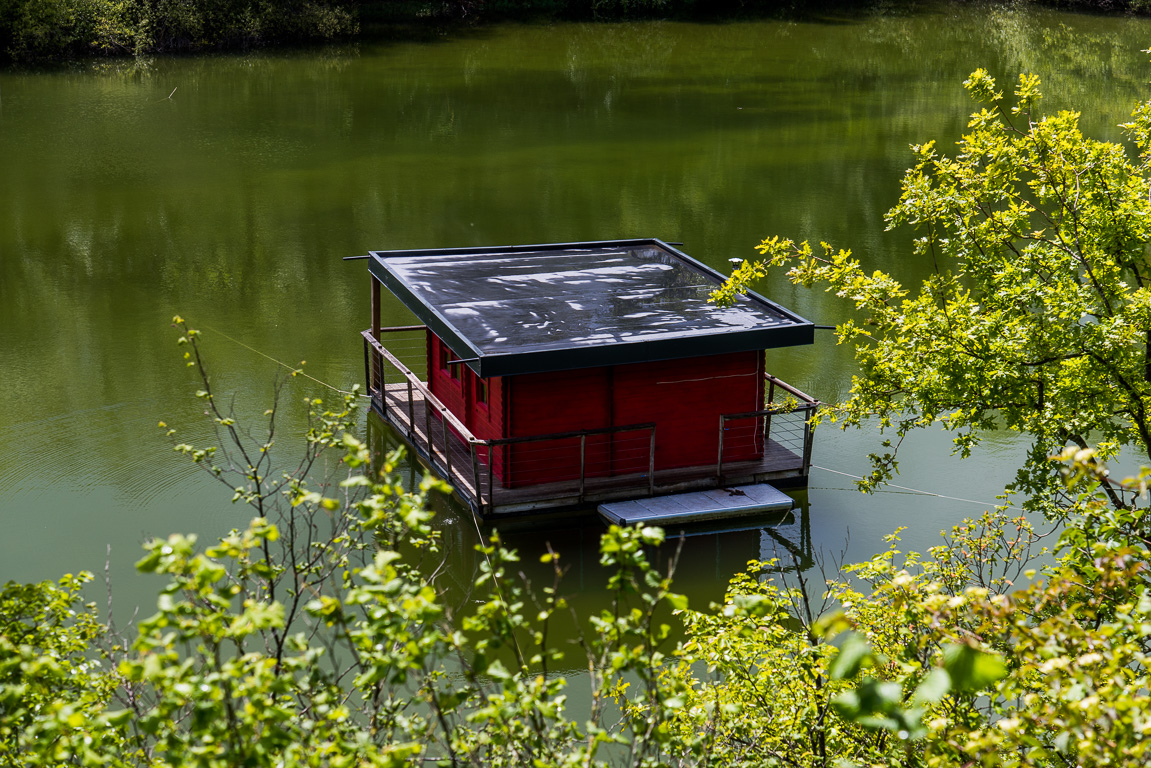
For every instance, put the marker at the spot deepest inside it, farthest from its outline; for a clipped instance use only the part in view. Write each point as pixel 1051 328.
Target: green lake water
pixel 227 189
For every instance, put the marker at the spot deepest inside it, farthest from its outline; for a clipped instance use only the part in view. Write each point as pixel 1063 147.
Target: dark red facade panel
pixel 684 398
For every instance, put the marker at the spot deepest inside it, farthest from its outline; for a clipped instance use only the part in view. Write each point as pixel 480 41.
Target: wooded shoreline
pixel 60 30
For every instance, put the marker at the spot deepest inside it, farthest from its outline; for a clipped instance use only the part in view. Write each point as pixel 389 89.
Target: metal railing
pixel 466 461
pixel 616 466
pixel 782 431
pixel 577 466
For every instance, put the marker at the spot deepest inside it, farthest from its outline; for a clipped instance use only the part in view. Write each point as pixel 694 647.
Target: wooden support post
pixel 447 447
pixel 807 441
pixel 719 461
pixel 428 427
pixel 651 464
pixel 411 412
pixel 368 373
pixel 767 419
pixel 582 462
pixel 375 308
pixel 476 476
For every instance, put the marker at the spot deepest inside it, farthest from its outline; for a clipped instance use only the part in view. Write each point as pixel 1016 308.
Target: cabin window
pixel 482 391
pixel 446 363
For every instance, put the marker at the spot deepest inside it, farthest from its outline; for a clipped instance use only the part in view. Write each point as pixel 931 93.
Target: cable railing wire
pixel 580 462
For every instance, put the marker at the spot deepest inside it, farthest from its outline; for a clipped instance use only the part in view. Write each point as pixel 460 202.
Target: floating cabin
pixel 568 375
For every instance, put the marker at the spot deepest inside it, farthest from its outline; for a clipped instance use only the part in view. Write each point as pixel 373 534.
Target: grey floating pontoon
pixel 697 506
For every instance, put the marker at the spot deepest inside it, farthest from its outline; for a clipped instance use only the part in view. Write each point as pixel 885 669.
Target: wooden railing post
pixel 368 370
pixel 808 439
pixel 651 463
pixel 476 476
pixel 411 411
pixel 375 307
pixel 582 465
pixel 767 419
pixel 447 449
pixel 719 461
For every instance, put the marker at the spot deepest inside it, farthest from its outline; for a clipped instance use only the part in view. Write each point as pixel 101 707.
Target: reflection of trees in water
pixel 120 207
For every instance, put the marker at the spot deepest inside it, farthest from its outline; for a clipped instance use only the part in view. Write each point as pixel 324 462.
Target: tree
pixel 1035 319
pixel 318 635
pixel 911 673
pixel 305 641
pixel 1037 316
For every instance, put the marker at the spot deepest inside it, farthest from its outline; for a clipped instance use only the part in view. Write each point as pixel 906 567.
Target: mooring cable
pixel 911 490
pixel 293 369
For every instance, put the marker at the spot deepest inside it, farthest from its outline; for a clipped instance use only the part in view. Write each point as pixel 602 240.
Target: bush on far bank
pixel 45 30
pixel 53 29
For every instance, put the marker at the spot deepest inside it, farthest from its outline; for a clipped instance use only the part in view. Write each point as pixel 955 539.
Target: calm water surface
pixel 228 190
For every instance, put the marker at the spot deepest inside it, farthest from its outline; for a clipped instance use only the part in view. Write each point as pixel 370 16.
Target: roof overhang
pixel 536 308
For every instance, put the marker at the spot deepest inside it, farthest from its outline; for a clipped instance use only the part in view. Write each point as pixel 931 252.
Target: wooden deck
pixel 456 459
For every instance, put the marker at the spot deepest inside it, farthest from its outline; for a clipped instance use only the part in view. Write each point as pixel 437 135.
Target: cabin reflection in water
pixel 554 377
pixel 708 555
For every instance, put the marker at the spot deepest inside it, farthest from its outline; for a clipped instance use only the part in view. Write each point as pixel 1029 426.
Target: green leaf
pixel 934 687
pixel 853 654
pixel 971 669
pixel 831 624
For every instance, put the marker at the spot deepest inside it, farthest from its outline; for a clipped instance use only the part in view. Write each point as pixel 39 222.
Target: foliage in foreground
pixel 1036 318
pixel 320 636
pixel 1037 315
pixel 923 665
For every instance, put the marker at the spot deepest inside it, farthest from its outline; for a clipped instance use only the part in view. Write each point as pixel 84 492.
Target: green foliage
pixel 318 635
pixel 1036 319
pixel 909 671
pixel 46 28
pixel 54 692
pixel 42 29
pixel 1038 315
pixel 377 672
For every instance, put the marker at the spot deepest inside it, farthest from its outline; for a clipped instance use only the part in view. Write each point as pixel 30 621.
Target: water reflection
pixel 706 556
pixel 232 200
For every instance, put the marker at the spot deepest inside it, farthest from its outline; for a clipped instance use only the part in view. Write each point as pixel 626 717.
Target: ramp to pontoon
pixel 697 506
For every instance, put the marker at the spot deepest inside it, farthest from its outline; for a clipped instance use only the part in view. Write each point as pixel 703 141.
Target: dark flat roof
pixel 533 308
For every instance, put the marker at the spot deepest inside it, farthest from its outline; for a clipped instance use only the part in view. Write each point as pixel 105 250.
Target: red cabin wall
pixel 487 421
pixel 684 398
pixel 563 401
pixel 446 382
